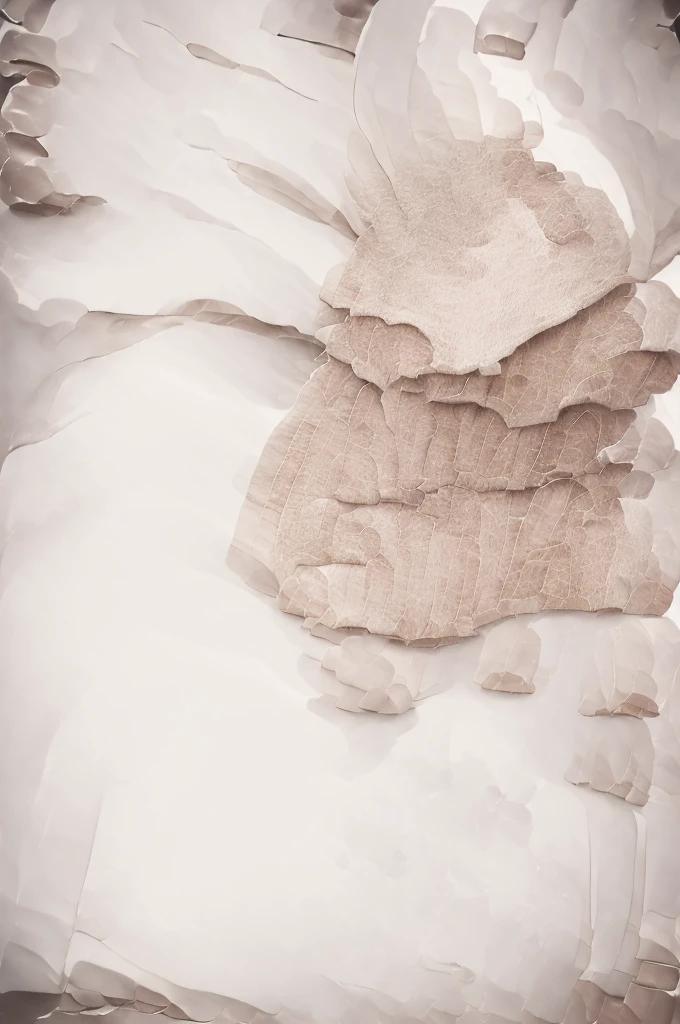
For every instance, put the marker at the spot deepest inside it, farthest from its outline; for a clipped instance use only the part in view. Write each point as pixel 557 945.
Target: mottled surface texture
pixel 480 248
pixel 423 520
pixel 489 342
pixel 616 353
pixel 395 283
pixel 395 510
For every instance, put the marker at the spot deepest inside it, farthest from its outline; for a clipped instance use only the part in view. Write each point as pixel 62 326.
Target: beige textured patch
pixel 441 236
pixel 464 454
pixel 369 446
pixel 617 352
pixel 377 514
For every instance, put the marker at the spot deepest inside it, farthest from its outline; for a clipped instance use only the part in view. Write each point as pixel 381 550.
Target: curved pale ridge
pixel 509 658
pixel 441 237
pixel 504 29
pixel 318 21
pixel 617 130
pixel 225 182
pixel 375 674
pixel 432 868
pixel 616 353
pixel 622 131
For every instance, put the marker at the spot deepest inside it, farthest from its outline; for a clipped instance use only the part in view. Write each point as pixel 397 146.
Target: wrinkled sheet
pixel 203 817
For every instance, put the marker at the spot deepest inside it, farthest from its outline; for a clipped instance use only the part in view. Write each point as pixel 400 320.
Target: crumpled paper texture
pixel 365 512
pixel 383 515
pixel 440 237
pixel 196 828
pixel 342 517
pixel 616 353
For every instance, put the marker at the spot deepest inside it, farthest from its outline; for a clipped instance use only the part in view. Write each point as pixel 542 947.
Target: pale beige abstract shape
pixel 354 8
pixel 659 976
pixel 302 199
pixel 661 505
pixel 616 353
pixel 395 446
pixel 440 236
pixel 592 1005
pixel 657 449
pixel 647 444
pixel 31 13
pixel 415 804
pixel 30 55
pixel 505 27
pixel 509 658
pixel 332 513
pixel 500 46
pixel 377 685
pixel 631 667
pixel 462 559
pixel 361 662
pixel 613 756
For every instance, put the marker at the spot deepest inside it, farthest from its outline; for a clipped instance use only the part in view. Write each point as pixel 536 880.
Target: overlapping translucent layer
pixel 195 826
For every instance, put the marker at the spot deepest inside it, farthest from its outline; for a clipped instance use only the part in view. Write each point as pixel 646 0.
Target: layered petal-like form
pixel 616 352
pixel 460 558
pixel 441 234
pixel 459 376
pixel 423 521
pixel 195 828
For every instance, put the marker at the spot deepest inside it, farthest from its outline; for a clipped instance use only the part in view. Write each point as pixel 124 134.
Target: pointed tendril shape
pixel 6 17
